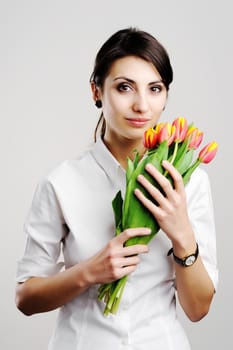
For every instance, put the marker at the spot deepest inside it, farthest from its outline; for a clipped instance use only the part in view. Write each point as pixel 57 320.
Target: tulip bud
pixel 150 138
pixel 195 137
pixel 181 127
pixel 208 152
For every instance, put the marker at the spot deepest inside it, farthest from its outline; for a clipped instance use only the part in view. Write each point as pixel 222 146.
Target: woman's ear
pixel 95 91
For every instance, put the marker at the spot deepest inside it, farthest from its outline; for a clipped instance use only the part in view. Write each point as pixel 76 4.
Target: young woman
pixel 72 211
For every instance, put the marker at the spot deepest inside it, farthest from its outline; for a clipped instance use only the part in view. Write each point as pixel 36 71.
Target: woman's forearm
pixel 42 294
pixel 195 289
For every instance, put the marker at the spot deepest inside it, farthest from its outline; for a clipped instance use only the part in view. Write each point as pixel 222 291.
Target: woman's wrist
pixel 185 244
pixel 84 277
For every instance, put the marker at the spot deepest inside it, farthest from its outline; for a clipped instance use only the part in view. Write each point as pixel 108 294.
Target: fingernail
pixel 147 230
pixel 149 166
pixel 165 162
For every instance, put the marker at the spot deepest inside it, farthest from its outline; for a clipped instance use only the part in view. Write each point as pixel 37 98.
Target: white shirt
pixel 72 211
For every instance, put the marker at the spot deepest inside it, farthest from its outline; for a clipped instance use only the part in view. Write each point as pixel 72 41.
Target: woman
pixel 72 211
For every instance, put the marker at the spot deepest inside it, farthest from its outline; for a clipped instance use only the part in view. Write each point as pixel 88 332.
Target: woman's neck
pixel 122 149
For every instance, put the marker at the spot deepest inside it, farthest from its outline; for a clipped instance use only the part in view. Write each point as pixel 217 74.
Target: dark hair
pixel 130 42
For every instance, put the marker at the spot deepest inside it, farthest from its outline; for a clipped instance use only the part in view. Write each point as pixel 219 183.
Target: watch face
pixel 190 260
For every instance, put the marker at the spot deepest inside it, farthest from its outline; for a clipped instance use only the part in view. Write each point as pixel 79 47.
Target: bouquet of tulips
pixel 175 142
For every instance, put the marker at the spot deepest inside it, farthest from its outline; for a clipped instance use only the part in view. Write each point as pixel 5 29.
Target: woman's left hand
pixel 171 209
pixel 194 286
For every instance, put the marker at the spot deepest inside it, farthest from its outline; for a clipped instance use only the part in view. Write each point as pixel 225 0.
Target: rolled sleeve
pixel 201 213
pixel 45 229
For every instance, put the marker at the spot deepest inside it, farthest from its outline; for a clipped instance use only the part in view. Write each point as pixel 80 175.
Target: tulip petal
pixel 181 127
pixel 150 138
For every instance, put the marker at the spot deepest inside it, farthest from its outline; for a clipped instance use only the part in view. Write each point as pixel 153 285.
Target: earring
pixel 98 103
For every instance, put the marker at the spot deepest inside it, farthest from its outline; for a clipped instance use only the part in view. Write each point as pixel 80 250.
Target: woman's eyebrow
pixel 156 82
pixel 124 78
pixel 133 82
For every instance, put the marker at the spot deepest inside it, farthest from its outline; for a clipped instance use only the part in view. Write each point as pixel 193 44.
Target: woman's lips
pixel 138 122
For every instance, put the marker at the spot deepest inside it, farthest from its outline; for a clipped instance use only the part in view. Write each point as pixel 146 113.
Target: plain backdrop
pixel 47 50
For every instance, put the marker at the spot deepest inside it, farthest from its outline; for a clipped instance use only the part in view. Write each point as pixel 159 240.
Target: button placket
pixel 125 316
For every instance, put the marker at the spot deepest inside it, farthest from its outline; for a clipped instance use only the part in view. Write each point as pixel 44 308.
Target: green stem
pixel 119 294
pixel 115 297
pixel 174 152
pixel 173 156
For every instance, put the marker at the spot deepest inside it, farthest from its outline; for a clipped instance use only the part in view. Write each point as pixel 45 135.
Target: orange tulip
pixel 150 138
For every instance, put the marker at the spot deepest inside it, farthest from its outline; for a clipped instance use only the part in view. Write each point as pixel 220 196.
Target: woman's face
pixel 133 98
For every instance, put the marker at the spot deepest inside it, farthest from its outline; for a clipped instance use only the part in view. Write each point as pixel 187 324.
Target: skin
pixel 133 98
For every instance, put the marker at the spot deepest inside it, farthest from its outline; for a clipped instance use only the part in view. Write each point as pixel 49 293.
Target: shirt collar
pixel 108 162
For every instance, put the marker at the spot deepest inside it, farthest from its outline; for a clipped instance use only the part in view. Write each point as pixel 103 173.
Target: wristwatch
pixel 188 260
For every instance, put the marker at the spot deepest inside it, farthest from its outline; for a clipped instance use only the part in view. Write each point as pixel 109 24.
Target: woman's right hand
pixel 42 294
pixel 115 260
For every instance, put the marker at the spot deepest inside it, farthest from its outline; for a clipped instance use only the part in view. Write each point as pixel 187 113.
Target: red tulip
pixel 165 131
pixel 208 152
pixel 195 137
pixel 181 129
pixel 150 138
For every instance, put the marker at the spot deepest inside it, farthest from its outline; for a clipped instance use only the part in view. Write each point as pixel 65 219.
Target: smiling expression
pixel 133 98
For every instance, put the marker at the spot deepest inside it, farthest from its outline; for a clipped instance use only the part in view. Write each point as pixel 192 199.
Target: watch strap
pixel 186 261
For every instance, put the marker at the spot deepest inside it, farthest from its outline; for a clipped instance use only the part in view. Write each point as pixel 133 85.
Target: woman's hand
pixel 171 210
pixel 114 260
pixel 194 286
pixel 42 294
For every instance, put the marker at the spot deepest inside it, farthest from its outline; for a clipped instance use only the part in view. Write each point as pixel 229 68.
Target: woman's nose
pixel 140 103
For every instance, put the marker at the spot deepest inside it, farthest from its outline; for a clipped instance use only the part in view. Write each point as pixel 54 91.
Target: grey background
pixel 47 115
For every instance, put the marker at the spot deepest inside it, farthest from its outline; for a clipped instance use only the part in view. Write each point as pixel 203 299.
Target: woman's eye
pixel 123 87
pixel 156 88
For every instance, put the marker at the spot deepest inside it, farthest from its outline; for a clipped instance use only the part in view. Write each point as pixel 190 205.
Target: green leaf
pixel 181 153
pixel 134 213
pixel 136 159
pixel 130 169
pixel 132 165
pixel 161 152
pixel 117 205
pixel 185 162
pixel 188 173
